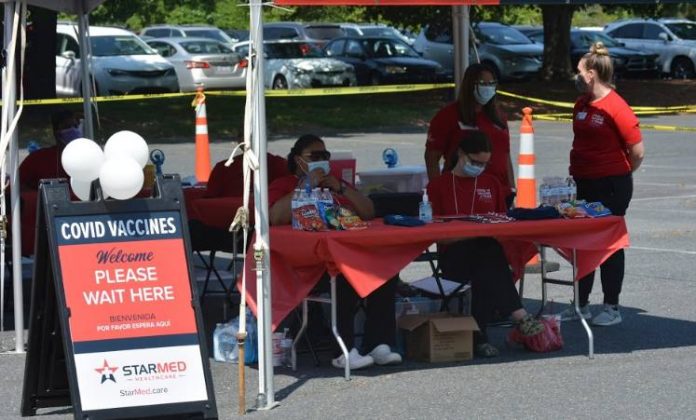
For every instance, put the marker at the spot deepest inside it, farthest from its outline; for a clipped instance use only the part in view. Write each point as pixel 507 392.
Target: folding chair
pixel 407 204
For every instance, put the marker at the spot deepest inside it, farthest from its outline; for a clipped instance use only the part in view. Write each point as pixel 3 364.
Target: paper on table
pixel 429 285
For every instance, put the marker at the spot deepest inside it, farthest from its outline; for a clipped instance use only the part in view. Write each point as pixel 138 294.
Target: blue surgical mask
pixel 472 170
pixel 67 135
pixel 483 94
pixel 319 164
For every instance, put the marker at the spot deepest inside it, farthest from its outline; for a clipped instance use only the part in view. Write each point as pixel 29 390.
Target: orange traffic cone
pixel 202 143
pixel 526 182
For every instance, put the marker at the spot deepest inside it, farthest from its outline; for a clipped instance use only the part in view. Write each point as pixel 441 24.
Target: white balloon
pixel 82 159
pixel 121 177
pixel 80 188
pixel 127 143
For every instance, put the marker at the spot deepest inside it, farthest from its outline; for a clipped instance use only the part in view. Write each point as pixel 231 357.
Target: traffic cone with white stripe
pixel 203 167
pixel 526 182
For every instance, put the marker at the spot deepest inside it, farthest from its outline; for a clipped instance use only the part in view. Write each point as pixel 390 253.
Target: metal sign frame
pixel 51 377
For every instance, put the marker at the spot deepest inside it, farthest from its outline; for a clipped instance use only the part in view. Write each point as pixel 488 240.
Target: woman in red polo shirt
pixel 607 149
pixel 463 190
pixel 475 109
pixel 308 163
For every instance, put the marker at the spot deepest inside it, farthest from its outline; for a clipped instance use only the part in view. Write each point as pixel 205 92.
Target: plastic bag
pixel 546 341
pixel 225 348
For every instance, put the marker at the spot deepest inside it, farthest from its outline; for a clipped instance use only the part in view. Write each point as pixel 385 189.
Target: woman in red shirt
pixel 475 109
pixel 308 163
pixel 466 189
pixel 607 149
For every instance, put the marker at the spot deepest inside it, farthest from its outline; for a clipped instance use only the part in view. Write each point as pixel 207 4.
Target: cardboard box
pixel 439 337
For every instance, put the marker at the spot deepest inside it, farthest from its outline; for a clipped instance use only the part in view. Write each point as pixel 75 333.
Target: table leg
pixel 293 351
pixel 542 259
pixel 576 305
pixel 334 327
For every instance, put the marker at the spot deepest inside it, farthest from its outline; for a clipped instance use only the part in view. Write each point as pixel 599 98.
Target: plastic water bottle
pixel 286 348
pixel 294 204
pixel 425 210
pixel 225 343
pixel 572 189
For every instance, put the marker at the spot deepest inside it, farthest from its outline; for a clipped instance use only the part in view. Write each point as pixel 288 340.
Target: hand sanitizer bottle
pixel 425 210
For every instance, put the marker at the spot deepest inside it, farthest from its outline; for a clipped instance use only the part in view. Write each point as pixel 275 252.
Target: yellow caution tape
pixel 644 110
pixel 565 117
pixel 352 90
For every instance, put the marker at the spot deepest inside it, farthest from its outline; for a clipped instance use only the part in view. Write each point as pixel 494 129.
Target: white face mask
pixel 483 94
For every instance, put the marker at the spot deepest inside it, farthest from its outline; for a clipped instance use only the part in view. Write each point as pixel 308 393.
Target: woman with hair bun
pixel 607 149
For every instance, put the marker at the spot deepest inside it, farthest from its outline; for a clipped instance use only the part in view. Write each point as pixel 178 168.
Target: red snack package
pixel 308 218
pixel 548 340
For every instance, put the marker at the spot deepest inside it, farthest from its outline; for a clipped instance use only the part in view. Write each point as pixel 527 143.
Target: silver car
pixel 506 50
pixel 202 61
pixel 674 40
pixel 121 63
pixel 299 64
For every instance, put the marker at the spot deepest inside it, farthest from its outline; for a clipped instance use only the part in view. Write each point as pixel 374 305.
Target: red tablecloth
pixel 370 257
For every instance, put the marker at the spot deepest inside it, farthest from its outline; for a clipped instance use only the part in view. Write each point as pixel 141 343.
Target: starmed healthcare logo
pixel 107 372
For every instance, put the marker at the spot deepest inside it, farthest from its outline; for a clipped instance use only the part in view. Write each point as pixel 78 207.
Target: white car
pixel 121 63
pixel 300 64
pixel 202 61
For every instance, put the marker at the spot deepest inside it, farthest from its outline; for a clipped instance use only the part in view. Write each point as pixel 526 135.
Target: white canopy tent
pixel 15 23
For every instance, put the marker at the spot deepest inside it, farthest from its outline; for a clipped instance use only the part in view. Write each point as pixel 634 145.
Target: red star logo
pixel 107 372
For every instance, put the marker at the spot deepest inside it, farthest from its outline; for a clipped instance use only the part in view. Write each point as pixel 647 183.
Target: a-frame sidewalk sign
pixel 115 325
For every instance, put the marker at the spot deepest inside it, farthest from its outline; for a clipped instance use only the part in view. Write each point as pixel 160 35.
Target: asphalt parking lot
pixel 643 368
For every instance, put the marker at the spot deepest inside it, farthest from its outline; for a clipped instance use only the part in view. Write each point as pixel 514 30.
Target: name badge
pixel 581 115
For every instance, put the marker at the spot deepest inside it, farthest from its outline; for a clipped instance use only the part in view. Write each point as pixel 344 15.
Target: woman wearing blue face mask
pixel 308 162
pixel 474 109
pixel 463 190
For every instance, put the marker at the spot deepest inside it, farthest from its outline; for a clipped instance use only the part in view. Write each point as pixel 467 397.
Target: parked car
pixel 626 60
pixel 181 31
pixel 121 63
pixel 316 33
pixel 299 64
pixel 506 50
pixel 379 60
pixel 238 35
pixel 364 29
pixel 674 40
pixel 202 61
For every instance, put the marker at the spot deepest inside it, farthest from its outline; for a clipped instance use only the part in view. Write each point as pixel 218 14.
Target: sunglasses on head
pixel 317 155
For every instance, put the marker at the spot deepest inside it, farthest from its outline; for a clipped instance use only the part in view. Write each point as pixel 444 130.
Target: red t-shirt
pixel 285 185
pixel 446 130
pixel 603 131
pixel 42 164
pixel 453 195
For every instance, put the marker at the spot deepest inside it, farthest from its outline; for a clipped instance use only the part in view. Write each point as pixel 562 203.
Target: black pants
pixel 615 193
pixel 482 262
pixel 379 306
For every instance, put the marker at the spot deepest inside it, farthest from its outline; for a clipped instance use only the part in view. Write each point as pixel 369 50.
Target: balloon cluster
pixel 119 167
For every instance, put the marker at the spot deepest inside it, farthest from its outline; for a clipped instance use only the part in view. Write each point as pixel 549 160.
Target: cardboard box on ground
pixel 438 337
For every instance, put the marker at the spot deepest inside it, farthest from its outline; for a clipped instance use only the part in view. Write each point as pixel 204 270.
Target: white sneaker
pixel 383 355
pixel 609 316
pixel 570 315
pixel 355 360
